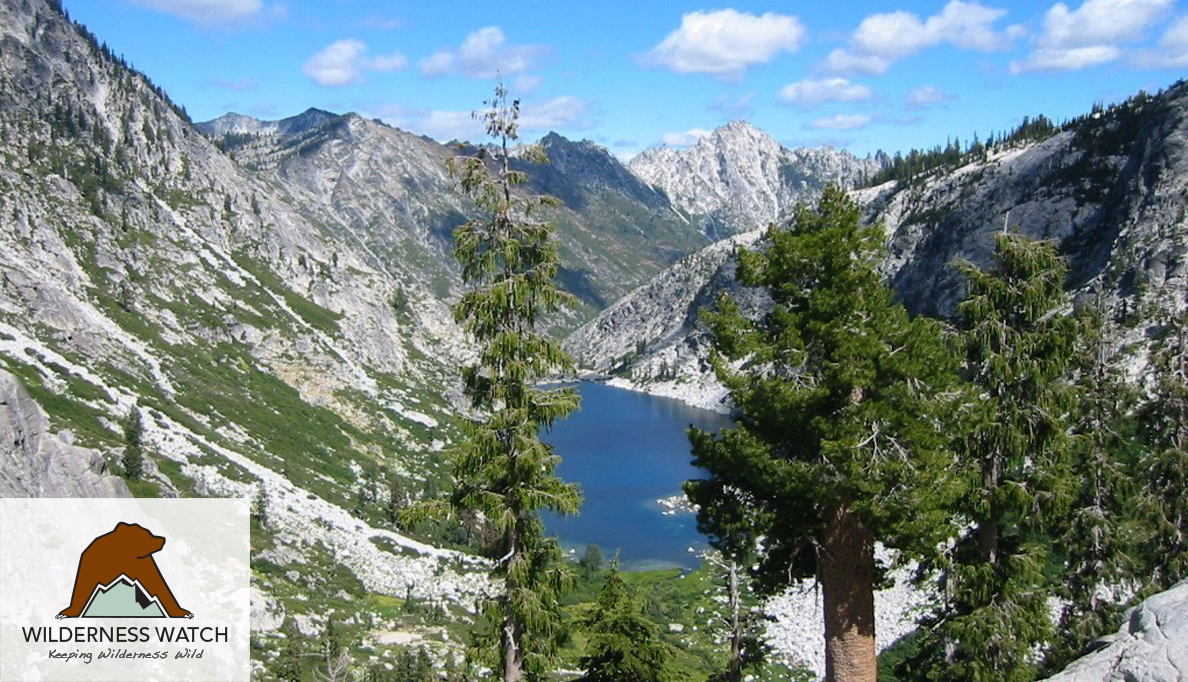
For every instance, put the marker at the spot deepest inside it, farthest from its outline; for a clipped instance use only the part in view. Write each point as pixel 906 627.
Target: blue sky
pixel 631 75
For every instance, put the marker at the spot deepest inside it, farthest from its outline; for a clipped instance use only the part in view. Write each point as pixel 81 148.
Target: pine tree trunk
pixel 988 530
pixel 847 585
pixel 513 651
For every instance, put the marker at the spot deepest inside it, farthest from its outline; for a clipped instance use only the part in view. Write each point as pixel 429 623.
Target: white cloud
pixel 345 61
pixel 561 112
pixel 207 11
pixel 844 61
pixel 484 54
pixel 926 96
pixel 1173 47
pixel 726 42
pixel 685 139
pixel 814 92
pixel 840 122
pixel 1090 35
pixel 883 38
pixel 1066 59
pixel 525 83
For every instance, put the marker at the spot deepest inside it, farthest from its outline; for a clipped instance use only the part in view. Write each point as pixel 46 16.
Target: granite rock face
pixel 738 178
pixel 36 463
pixel 1151 646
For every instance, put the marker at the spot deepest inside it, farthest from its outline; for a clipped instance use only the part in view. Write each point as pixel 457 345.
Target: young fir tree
pixel 1163 469
pixel 133 459
pixel 1014 450
pixel 502 468
pixel 1098 537
pixel 837 442
pixel 622 645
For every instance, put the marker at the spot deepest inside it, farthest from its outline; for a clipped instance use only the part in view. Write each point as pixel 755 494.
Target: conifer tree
pixel 502 468
pixel 1015 452
pixel 1099 535
pixel 837 442
pixel 622 645
pixel 133 459
pixel 1163 469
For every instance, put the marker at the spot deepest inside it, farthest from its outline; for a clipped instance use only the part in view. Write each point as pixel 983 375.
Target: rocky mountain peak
pixel 738 177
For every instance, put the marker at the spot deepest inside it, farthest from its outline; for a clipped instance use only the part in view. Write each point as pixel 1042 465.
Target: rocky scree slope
pixel 389 192
pixel 738 178
pixel 139 265
pixel 1111 189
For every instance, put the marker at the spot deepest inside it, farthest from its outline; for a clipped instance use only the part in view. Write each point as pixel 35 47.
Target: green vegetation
pixel 621 644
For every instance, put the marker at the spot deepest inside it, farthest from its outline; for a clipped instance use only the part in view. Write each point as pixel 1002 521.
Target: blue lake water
pixel 627 450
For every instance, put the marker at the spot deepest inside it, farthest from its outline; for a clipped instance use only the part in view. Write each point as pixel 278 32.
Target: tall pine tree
pixel 837 442
pixel 502 468
pixel 1099 535
pixel 1163 470
pixel 1015 452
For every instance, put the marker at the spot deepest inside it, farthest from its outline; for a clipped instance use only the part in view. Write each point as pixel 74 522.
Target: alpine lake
pixel 630 454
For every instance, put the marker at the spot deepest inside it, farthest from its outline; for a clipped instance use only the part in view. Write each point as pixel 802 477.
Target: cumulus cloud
pixel 814 92
pixel 526 83
pixel 1090 35
pixel 212 11
pixel 880 39
pixel 685 139
pixel 926 96
pixel 726 42
pixel 561 112
pixel 483 54
pixel 840 122
pixel 344 63
pixel 1173 47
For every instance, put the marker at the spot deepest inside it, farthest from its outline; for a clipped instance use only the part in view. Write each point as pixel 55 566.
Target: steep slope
pixel 738 178
pixel 1111 188
pixel 389 192
pixel 139 265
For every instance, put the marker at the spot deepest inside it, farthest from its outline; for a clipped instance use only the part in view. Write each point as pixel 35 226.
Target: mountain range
pixel 274 296
pixel 1110 188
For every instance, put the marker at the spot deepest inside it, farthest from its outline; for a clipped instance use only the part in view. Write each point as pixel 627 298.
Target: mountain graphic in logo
pixel 118 578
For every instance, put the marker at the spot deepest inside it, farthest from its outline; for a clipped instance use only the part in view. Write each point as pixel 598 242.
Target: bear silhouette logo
pixel 121 562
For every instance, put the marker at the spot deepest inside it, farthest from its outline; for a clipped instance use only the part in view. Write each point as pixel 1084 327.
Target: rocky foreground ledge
pixel 1152 645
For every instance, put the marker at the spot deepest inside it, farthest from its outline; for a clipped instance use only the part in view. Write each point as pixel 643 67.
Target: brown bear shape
pixel 126 550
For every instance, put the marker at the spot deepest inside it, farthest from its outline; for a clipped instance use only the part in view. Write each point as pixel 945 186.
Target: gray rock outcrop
pixel 1151 646
pixel 36 463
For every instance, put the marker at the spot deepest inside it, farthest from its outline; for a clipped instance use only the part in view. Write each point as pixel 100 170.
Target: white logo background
pixel 205 561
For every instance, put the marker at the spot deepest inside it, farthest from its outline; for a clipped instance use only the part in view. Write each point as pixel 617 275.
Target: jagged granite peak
pixel 739 178
pixel 238 124
pixel 1111 189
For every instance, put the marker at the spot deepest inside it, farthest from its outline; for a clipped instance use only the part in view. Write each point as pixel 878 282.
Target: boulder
pixel 1151 646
